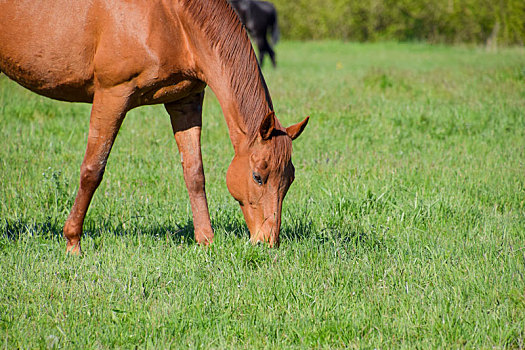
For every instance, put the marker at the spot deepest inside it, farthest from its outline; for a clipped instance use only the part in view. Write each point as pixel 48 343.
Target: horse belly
pixel 46 49
pixel 65 85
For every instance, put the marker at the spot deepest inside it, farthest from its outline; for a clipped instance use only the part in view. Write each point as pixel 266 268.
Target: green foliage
pixel 447 21
pixel 405 226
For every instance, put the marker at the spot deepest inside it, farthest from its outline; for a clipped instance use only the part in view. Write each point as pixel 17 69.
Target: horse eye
pixel 257 178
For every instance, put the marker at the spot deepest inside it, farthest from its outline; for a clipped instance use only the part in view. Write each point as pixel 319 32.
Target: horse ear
pixel 267 126
pixel 295 130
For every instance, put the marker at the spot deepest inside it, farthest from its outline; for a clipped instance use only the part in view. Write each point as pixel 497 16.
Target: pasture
pixel 405 226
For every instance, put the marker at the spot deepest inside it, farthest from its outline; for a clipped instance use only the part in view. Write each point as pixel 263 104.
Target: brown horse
pixel 121 54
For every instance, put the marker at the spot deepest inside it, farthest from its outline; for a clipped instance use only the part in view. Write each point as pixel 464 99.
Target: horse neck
pixel 244 100
pixel 226 61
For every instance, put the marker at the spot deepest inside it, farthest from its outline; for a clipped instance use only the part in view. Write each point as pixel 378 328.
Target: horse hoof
pixel 204 240
pixel 270 242
pixel 73 249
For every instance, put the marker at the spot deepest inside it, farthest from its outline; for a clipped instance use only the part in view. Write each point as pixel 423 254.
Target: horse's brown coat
pixel 120 54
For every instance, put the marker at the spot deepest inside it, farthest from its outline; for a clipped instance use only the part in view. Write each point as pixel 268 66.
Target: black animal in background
pixel 258 17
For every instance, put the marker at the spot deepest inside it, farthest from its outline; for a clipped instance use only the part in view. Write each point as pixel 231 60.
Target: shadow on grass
pixel 17 229
pixel 235 228
pixel 53 229
pixel 302 228
pixel 298 228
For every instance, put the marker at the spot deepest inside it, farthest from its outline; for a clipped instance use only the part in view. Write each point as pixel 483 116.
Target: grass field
pixel 405 226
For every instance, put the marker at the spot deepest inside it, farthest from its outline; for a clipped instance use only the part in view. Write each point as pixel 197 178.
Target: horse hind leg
pixel 268 48
pixel 186 121
pixel 108 112
pixel 271 53
pixel 264 48
pixel 261 47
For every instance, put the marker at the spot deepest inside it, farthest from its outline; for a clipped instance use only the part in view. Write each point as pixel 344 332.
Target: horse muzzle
pixel 263 228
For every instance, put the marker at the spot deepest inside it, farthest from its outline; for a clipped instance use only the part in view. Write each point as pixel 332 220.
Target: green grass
pixel 405 226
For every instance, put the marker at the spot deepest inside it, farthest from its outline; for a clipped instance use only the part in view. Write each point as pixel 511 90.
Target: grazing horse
pixel 121 54
pixel 259 17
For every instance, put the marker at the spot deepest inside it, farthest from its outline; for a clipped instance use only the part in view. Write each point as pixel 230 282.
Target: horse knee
pixel 91 175
pixel 194 176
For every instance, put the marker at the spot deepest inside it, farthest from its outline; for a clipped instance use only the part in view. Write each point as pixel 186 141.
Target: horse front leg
pixel 108 112
pixel 186 121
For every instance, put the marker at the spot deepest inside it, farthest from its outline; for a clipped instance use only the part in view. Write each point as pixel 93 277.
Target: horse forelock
pixel 227 36
pixel 281 150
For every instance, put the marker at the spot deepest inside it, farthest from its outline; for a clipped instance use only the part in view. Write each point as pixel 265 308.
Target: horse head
pixel 259 177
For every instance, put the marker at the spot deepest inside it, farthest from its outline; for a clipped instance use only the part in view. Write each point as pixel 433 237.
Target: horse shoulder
pixel 151 54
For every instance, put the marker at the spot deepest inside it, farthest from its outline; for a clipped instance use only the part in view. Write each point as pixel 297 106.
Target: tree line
pixel 489 22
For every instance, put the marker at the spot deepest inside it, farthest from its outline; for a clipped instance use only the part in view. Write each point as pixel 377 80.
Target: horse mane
pixel 223 28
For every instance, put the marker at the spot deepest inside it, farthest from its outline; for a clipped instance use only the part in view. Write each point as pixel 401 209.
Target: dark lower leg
pixel 262 50
pixel 272 55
